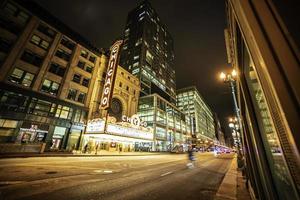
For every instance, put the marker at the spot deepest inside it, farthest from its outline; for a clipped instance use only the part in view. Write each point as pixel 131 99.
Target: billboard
pixel 110 75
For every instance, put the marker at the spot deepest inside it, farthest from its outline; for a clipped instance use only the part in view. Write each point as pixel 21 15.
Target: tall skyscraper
pixel 148 52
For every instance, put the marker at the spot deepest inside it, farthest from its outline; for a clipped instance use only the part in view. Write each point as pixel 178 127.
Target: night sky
pixel 195 25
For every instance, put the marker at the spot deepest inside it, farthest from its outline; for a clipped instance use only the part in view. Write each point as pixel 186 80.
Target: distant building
pixel 148 52
pixel 192 104
pixel 218 130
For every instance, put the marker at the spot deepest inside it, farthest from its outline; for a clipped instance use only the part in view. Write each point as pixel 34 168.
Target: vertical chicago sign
pixel 110 74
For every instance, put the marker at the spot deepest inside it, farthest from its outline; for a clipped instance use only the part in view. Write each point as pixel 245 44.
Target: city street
pixel 113 177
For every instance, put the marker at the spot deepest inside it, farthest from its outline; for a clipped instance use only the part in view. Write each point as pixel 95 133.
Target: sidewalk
pixel 233 185
pixel 79 154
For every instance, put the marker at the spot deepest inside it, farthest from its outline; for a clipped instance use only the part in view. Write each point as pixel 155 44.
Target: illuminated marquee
pixel 110 74
pixel 134 120
pixel 97 126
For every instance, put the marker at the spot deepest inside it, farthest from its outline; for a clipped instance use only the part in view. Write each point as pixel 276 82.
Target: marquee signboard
pixel 135 121
pixel 110 74
pixel 96 126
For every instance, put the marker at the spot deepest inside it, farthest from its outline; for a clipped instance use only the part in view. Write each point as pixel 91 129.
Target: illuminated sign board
pixel 97 126
pixel 110 74
pixel 134 120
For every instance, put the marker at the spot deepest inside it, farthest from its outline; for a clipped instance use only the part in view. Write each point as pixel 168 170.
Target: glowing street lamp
pixel 235 123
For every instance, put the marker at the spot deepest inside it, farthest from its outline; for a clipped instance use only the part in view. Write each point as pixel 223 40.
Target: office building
pixel 47 75
pixel 192 104
pixel 148 52
pixel 171 127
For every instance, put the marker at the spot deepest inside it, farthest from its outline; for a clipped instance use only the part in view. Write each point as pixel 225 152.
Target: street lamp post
pixel 231 79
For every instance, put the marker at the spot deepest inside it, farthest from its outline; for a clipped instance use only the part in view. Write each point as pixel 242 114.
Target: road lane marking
pixel 107 171
pixel 167 173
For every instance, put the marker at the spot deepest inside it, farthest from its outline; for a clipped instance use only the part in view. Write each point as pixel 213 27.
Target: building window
pixel 50 87
pixel 16 12
pixel 67 43
pixel 5 45
pixel 81 97
pixel 81 64
pixel 89 68
pixel 57 69
pixel 84 53
pixel 39 42
pixel 21 77
pixel 32 58
pixel 120 84
pixel 127 88
pixel 92 59
pixel 64 112
pixel 85 82
pixel 72 94
pixel 63 54
pixel 46 30
pixel 77 78
pixel 149 57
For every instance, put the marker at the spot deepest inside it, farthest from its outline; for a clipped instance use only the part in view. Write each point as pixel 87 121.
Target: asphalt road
pixel 112 178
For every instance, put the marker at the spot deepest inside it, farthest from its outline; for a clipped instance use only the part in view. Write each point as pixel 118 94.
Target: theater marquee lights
pixel 110 74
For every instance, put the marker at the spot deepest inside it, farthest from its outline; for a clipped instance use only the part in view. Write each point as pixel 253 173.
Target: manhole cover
pixel 51 172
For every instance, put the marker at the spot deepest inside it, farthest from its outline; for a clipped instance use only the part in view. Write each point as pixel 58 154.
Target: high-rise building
pixel 191 103
pixel 148 52
pixel 262 40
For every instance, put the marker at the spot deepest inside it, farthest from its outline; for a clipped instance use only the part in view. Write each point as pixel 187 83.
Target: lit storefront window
pixel 272 146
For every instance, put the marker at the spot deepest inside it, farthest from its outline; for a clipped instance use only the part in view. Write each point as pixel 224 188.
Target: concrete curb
pixel 228 187
pixel 4 156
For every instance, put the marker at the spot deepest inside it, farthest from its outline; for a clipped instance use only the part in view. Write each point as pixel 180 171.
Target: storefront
pixel 75 135
pixel 31 132
pixel 121 137
pixel 59 133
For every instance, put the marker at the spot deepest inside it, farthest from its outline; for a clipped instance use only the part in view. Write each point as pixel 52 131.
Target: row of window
pixel 85 55
pixel 76 95
pixel 77 78
pixel 88 68
pixel 127 87
pixel 39 42
pixel 16 12
pixel 19 103
pixel 25 78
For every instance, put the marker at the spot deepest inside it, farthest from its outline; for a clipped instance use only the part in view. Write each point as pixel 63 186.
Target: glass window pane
pixel 28 79
pixel 272 146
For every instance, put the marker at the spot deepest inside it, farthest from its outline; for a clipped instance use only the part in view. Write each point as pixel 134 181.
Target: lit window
pixel 50 87
pixel 84 53
pixel 135 64
pixel 21 77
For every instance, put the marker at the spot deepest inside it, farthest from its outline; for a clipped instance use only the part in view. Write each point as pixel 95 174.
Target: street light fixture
pixel 231 79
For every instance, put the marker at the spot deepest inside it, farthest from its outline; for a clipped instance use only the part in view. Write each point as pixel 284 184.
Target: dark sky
pixel 195 25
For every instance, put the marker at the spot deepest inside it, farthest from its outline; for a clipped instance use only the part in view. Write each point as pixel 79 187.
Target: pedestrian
pixel 191 158
pixel 120 148
pixel 97 146
pixel 85 148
